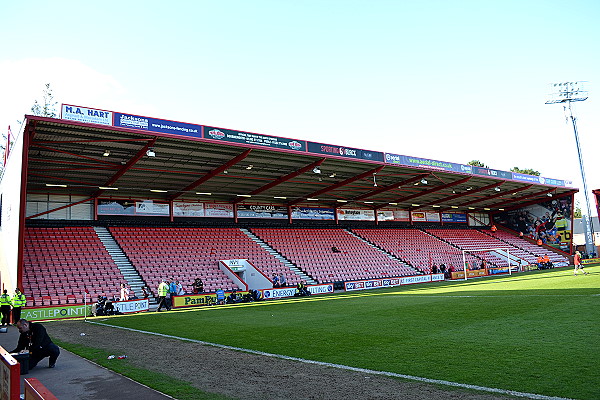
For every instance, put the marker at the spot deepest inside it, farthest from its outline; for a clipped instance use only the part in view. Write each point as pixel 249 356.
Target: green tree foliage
pixel 48 108
pixel 527 171
pixel 577 211
pixel 477 163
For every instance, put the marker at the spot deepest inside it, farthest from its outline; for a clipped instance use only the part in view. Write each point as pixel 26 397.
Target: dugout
pixel 95 167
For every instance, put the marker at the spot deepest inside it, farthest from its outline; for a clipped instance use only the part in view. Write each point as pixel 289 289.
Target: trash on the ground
pixel 82 334
pixel 122 357
pixel 111 357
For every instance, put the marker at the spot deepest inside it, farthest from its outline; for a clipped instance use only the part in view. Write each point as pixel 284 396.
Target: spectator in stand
pixel 335 249
pixel 179 288
pixel 521 235
pixel 198 286
pixel 145 292
pixel 577 262
pixel 275 281
pixel 494 229
pixel 18 302
pixel 282 280
pixel 434 269
pixel 124 292
pixel 539 242
pixel 5 307
pixel 35 339
pixel 540 262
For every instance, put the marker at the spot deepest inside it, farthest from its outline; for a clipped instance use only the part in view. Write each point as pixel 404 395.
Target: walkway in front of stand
pixel 77 378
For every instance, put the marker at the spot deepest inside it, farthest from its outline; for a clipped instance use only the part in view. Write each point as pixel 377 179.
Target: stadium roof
pixel 258 169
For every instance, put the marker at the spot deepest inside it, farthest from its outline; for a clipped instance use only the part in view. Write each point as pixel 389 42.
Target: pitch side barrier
pixel 80 310
pixel 207 299
pixel 366 284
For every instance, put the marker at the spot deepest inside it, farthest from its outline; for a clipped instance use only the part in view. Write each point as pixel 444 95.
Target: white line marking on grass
pixel 346 367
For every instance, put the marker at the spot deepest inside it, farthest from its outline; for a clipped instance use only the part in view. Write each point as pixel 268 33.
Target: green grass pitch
pixel 536 332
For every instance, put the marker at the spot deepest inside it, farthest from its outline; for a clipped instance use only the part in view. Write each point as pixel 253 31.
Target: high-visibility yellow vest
pixel 4 300
pixel 19 300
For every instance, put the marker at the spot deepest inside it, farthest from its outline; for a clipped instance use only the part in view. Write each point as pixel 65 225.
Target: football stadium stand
pixel 62 262
pixel 312 250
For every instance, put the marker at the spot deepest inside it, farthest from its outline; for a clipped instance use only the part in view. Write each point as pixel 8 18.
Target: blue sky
pixel 448 80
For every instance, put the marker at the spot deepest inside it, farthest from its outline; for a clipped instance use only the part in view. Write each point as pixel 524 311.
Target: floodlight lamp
pixel 332 175
pixel 316 170
pixel 470 188
pixel 150 152
pixel 250 166
pixel 497 189
pixel 549 194
pixel 424 181
pixel 106 153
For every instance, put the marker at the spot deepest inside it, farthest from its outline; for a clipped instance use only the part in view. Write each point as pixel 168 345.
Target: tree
pixel 477 163
pixel 48 109
pixel 577 212
pixel 527 171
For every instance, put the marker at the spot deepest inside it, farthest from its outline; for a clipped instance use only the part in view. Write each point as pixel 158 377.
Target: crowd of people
pixel 11 305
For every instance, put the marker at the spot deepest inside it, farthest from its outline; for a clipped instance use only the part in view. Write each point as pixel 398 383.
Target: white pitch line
pixel 346 367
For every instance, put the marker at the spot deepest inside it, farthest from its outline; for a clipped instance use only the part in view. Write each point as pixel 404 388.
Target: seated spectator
pixel 282 280
pixel 145 292
pixel 335 249
pixel 521 235
pixel 233 298
pixel 301 290
pixel 540 262
pixel 494 229
pixel 276 281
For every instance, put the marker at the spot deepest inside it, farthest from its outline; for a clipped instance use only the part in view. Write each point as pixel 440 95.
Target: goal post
pixel 502 253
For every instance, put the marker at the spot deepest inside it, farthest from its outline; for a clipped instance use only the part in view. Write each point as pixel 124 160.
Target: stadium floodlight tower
pixel 566 93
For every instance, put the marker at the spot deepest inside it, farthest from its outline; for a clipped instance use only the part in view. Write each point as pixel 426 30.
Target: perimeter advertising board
pixel 341 151
pixel 262 211
pixel 87 115
pixel 254 139
pixel 313 213
pixel 156 125
pixel 390 282
pixel 56 312
pixel 79 310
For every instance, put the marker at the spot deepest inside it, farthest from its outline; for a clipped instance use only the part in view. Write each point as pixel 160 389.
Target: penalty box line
pixel 344 367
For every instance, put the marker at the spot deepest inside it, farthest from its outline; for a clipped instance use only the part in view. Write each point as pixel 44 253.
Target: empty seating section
pixel 470 239
pixel 311 251
pixel 416 247
pixel 187 253
pixel 59 262
pixel 532 250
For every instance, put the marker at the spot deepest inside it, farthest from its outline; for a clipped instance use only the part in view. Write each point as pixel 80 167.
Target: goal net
pixel 494 261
